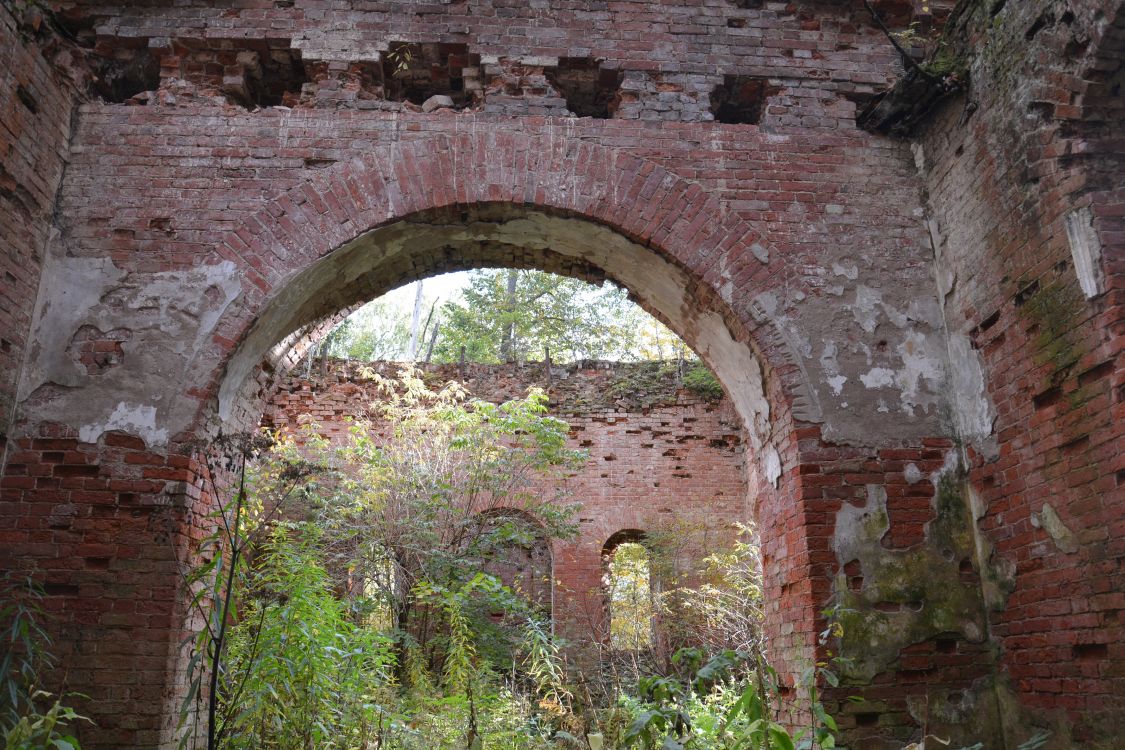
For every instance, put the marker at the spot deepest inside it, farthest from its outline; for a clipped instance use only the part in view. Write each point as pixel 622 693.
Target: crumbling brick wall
pixel 37 98
pixel 240 177
pixel 1024 177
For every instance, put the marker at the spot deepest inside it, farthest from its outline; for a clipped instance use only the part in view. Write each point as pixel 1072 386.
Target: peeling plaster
pixel 134 419
pixel 910 595
pixel 1048 520
pixel 171 317
pixel 973 412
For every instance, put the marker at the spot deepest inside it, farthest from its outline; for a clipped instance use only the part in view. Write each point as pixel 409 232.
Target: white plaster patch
pixel 1049 521
pixel 837 384
pixel 760 252
pixel 973 411
pixel 850 272
pixel 771 465
pixel 1086 250
pixel 878 377
pixel 918 364
pixel 866 307
pixel 135 419
pixel 912 473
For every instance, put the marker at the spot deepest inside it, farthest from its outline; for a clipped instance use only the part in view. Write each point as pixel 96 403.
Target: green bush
pixel 702 382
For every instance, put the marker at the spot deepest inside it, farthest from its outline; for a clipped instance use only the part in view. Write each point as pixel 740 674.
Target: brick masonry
pixel 208 188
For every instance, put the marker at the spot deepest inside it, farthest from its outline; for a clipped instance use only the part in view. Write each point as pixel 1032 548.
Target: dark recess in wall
pixel 590 89
pixel 128 73
pixel 414 72
pixel 741 100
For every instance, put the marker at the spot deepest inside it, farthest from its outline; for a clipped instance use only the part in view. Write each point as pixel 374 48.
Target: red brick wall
pixel 182 219
pixel 1045 141
pixel 36 102
pixel 98 526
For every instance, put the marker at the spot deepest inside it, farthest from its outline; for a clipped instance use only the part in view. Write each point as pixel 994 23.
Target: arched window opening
pixel 511 545
pixel 630 593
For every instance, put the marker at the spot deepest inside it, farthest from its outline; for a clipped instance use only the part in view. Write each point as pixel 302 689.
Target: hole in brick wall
pixel 945 645
pixel 1023 295
pixel 278 78
pixel 97 563
pixel 741 100
pixel 736 23
pixel 1043 110
pixel 749 4
pixel 866 719
pixel 1090 651
pixel 1076 445
pixel 990 321
pixel 5 345
pixel 1044 20
pixel 1097 372
pixel 60 589
pixel 27 100
pixel 414 72
pixel 129 72
pixel 590 90
pixel 997 7
pixel 78 27
pixel 1047 398
pixel 897 14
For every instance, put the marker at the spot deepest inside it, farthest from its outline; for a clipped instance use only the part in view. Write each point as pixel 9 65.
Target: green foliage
pixel 631 603
pixel 571 318
pixel 24 652
pixel 326 632
pixel 702 382
pixel 380 330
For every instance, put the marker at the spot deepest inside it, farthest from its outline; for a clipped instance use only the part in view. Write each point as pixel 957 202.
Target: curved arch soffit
pixel 570 207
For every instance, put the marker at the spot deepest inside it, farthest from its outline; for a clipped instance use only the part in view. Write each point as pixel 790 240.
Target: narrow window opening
pixel 741 100
pixel 630 595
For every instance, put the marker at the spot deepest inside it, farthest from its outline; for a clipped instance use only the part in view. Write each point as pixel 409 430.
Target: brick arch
pixel 296 253
pixel 369 202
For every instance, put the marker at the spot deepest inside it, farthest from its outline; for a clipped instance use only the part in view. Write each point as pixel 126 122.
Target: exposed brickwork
pixel 97 526
pixel 36 101
pixel 1053 359
pixel 256 171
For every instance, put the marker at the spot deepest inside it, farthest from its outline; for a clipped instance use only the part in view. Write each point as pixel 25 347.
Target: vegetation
pixel 30 717
pixel 506 315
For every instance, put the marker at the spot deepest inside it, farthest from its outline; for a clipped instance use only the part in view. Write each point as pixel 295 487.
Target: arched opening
pixel 630 590
pixel 507 235
pixel 514 548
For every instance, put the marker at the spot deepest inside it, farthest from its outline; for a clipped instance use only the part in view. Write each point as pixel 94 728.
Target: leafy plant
pixel 702 382
pixel 24 722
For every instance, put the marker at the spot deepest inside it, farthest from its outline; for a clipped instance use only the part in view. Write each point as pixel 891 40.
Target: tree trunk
pixel 415 320
pixel 508 340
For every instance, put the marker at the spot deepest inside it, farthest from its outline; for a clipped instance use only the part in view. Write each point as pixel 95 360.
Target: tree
pixel 379 330
pixel 516 315
pixel 295 651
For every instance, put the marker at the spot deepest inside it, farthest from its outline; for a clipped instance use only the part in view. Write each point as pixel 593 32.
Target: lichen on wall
pixel 899 597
